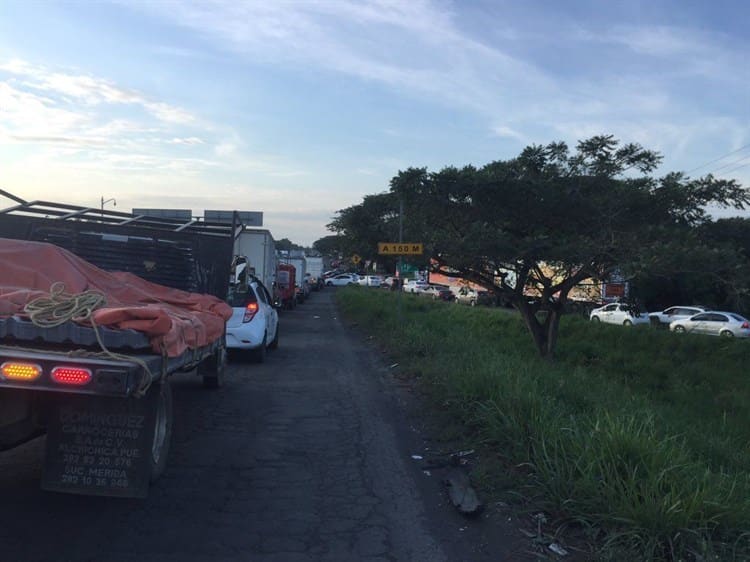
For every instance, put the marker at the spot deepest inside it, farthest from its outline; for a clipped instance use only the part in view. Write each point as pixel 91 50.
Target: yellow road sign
pixel 356 258
pixel 400 249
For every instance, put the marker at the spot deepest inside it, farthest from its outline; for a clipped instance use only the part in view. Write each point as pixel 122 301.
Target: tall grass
pixel 639 432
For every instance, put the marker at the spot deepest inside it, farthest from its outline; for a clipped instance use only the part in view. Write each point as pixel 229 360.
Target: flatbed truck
pixel 108 416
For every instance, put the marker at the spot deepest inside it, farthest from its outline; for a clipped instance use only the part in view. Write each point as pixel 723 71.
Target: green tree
pixel 362 226
pixel 551 218
pixel 332 246
pixel 285 245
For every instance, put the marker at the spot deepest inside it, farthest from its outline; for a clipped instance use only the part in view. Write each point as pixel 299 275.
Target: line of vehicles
pixel 680 319
pixel 462 293
pixel 262 282
pixel 101 390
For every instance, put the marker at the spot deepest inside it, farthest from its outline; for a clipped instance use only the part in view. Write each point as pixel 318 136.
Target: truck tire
pixel 212 368
pixel 162 428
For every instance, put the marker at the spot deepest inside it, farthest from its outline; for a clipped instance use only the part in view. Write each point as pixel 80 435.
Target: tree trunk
pixel 552 330
pixel 538 332
pixel 544 333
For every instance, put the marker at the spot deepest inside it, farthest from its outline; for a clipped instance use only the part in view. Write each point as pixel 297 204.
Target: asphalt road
pixel 307 457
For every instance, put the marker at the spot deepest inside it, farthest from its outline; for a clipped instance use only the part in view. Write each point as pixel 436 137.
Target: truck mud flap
pixel 100 446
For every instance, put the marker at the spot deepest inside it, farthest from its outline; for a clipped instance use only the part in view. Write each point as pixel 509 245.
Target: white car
pixel 415 286
pixel 371 280
pixel 714 323
pixel 388 282
pixel 619 313
pixel 669 315
pixel 254 325
pixel 342 280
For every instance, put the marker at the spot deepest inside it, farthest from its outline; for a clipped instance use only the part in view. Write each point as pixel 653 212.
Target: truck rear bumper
pixel 119 377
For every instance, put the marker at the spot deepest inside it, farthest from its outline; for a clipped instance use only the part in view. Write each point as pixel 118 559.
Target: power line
pixel 731 164
pixel 737 168
pixel 719 158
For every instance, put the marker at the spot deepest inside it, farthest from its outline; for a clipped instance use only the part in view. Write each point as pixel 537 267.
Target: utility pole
pixel 400 261
pixel 107 201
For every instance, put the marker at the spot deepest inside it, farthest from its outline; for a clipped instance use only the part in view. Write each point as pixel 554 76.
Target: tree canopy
pixel 548 219
pixel 286 245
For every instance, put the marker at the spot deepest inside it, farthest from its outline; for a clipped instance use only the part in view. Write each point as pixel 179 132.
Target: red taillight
pixel 746 325
pixel 19 371
pixel 75 376
pixel 250 310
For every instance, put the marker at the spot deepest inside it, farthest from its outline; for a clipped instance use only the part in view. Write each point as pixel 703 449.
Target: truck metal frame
pixel 109 436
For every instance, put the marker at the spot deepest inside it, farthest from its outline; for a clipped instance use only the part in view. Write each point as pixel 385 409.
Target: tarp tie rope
pixel 59 307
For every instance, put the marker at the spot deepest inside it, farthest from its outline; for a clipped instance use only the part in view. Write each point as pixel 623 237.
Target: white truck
pixel 302 281
pixel 315 269
pixel 258 247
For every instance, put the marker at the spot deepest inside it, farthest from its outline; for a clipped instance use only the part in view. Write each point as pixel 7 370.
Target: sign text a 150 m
pixel 399 248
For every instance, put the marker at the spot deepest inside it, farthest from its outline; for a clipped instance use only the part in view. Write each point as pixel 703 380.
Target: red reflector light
pixel 76 376
pixel 250 311
pixel 18 371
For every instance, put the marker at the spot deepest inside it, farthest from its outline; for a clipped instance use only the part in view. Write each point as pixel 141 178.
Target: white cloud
pixel 189 141
pixel 507 132
pixel 418 49
pixel 429 56
pixel 28 114
pixel 225 149
pixel 90 90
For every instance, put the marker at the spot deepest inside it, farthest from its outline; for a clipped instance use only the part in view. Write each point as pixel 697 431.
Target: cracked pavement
pixel 304 458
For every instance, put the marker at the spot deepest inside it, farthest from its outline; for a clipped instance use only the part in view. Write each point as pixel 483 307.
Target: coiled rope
pixel 60 307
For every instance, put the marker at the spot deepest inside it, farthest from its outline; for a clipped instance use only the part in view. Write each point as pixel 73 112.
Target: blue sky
pixel 298 109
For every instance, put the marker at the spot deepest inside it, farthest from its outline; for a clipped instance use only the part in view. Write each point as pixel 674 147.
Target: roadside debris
pixel 458 458
pixel 417 457
pixel 461 494
pixel 543 540
pixel 393 366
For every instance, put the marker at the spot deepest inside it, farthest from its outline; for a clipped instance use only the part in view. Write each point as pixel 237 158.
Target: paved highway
pixel 304 458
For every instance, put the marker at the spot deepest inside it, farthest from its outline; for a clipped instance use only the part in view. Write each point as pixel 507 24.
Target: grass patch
pixel 638 432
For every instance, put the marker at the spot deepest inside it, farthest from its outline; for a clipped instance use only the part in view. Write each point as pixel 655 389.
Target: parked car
pixel 619 313
pixel 471 296
pixel 714 323
pixel 370 280
pixel 254 325
pixel 342 280
pixel 391 283
pixel 669 315
pixel 439 292
pixel 415 286
pixel 388 282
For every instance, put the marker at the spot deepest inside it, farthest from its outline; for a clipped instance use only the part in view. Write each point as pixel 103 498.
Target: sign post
pixel 400 249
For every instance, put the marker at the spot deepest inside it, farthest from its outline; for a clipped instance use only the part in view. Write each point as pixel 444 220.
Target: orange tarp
pixel 174 320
